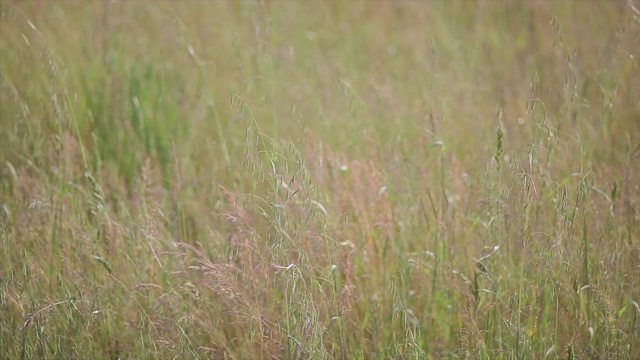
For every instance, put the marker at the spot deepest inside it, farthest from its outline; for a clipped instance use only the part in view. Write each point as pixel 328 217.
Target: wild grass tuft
pixel 265 180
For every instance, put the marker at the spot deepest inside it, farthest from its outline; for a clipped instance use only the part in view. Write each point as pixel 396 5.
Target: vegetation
pixel 305 180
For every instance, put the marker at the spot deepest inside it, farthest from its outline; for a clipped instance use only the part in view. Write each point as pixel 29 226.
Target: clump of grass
pixel 384 183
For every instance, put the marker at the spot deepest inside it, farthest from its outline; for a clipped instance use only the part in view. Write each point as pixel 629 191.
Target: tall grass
pixel 320 180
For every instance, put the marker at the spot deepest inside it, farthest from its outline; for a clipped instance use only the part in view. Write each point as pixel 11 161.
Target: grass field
pixel 320 180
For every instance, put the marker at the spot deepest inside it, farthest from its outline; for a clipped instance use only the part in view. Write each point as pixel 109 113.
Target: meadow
pixel 319 180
